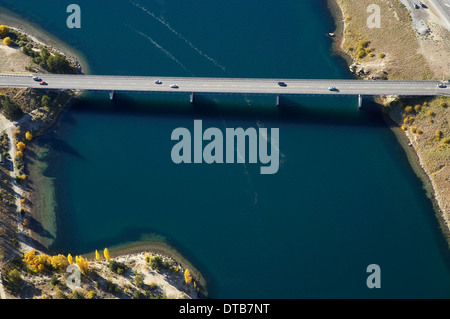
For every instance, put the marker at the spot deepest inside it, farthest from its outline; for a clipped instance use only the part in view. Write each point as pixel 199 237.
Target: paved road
pixel 443 7
pixel 227 85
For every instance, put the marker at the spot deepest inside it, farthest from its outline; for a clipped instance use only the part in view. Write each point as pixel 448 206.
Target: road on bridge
pixel 226 85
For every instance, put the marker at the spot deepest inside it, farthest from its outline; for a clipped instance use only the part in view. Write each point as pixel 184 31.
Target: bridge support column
pixel 191 99
pixel 277 101
pixel 360 101
pixel 111 95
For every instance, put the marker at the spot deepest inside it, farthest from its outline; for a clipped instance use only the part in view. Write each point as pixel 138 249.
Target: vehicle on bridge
pixel 158 82
pixel 442 85
pixel 282 84
pixel 416 5
pixel 43 83
pixel 333 88
pixel 36 78
pixel 423 5
pixel 174 86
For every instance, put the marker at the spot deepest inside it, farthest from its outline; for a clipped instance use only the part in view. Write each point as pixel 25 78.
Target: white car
pixel 442 85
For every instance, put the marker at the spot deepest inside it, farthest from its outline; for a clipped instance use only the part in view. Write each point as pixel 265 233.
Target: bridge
pixel 193 85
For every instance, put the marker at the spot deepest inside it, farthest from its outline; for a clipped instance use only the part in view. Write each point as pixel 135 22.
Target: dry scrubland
pixel 393 48
pixel 134 276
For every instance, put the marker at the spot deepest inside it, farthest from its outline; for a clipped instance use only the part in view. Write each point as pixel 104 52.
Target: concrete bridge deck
pixel 226 85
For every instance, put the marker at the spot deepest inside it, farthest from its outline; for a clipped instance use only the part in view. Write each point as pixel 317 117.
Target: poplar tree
pixel 70 259
pixel 187 276
pixel 106 254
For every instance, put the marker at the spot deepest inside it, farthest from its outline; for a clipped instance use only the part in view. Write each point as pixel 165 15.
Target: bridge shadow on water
pixel 316 110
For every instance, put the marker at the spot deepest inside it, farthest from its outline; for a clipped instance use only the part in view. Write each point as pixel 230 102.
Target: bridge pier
pixel 277 101
pixel 359 101
pixel 111 95
pixel 191 98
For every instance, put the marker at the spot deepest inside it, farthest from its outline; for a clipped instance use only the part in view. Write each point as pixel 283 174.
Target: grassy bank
pixel 393 48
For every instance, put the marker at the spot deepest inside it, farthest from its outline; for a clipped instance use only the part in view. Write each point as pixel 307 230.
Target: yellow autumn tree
pixel 28 136
pixel 82 263
pixel 97 255
pixel 19 154
pixel 7 41
pixel 106 254
pixel 187 276
pixel 20 146
pixel 4 30
pixel 59 262
pixel 70 259
pixel 37 262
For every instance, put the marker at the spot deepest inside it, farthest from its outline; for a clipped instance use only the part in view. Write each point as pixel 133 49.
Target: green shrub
pixel 14 277
pixel 60 295
pixel 139 281
pixel 156 263
pixel 409 110
pixel 117 267
pixel 77 294
pixel 137 294
pixel 363 44
pixel 54 280
pixel 361 53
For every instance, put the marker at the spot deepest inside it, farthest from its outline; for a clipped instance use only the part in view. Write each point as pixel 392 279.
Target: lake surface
pixel 344 197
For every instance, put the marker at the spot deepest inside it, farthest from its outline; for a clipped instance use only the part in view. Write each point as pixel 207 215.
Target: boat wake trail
pixel 169 27
pixel 252 190
pixel 167 53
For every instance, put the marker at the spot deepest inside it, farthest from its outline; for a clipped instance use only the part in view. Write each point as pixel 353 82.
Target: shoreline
pixel 160 248
pixel 414 158
pixel 40 36
pixel 338 16
pixel 416 164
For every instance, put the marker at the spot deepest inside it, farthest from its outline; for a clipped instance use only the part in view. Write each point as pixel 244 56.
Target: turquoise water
pixel 343 198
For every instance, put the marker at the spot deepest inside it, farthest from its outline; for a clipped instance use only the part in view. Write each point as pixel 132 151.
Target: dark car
pixel 158 82
pixel 442 85
pixel 282 84
pixel 37 78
